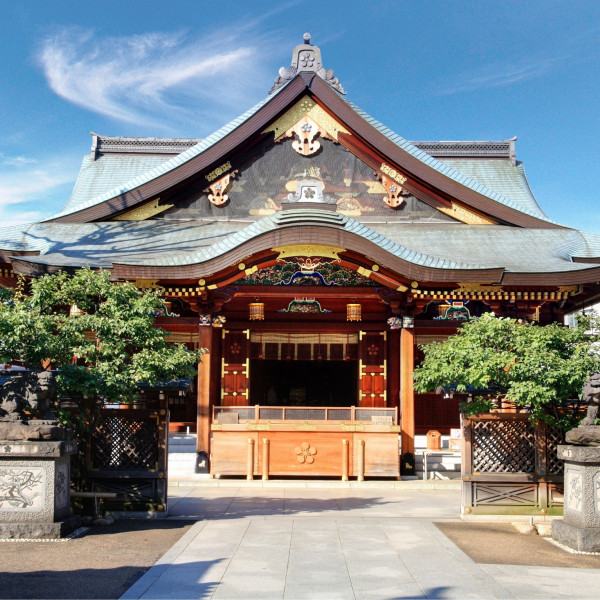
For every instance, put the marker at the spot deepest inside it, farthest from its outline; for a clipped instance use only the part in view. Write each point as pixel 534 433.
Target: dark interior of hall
pixel 303 383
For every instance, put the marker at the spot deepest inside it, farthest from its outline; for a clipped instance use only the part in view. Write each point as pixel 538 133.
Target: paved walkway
pixel 293 543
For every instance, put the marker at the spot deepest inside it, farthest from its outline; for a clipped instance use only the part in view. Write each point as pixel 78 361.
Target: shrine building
pixel 311 250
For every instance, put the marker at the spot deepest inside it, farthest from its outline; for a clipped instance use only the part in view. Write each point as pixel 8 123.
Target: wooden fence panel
pixel 510 462
pixel 128 456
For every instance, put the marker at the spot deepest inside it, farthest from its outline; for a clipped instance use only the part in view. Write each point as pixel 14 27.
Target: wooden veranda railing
pixel 507 461
pixel 292 414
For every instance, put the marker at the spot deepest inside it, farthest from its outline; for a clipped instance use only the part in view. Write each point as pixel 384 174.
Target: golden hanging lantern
pixel 353 312
pixel 257 311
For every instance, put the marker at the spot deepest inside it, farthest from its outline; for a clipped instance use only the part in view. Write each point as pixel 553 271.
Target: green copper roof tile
pixel 169 164
pixel 437 165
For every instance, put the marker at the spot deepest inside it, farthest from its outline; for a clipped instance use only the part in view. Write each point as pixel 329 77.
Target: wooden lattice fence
pixel 508 462
pixel 128 457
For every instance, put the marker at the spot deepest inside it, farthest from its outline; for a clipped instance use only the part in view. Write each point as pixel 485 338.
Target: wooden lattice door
pixel 235 374
pixel 372 368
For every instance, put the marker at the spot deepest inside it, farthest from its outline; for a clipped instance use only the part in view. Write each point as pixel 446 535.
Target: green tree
pixel 98 334
pixel 540 368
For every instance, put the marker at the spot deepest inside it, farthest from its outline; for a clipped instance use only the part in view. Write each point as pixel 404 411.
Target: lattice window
pixel 503 447
pixel 554 437
pixel 125 443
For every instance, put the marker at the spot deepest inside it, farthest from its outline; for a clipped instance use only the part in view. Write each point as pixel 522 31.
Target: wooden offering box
pixel 304 441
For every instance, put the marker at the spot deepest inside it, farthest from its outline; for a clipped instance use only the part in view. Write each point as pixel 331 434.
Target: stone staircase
pixel 182 454
pixel 440 465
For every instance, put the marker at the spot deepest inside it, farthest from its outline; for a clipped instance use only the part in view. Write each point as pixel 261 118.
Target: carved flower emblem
pixel 393 189
pixel 306 127
pixel 307 59
pixel 372 350
pixel 309 193
pixel 305 453
pixel 235 348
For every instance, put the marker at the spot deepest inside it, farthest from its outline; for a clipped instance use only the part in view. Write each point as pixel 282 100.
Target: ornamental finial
pixel 307 57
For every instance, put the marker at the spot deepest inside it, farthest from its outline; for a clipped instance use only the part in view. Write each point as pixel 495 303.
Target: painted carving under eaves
pixel 307 273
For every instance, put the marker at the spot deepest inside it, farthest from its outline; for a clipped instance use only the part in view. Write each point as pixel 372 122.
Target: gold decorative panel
pixel 308 250
pixel 460 213
pixel 141 213
pixel 306 107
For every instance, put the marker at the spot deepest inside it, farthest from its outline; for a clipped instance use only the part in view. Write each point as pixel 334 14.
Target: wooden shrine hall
pixel 311 251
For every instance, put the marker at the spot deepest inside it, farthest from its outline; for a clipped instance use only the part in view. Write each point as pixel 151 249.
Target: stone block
pixel 583 539
pixel 35 488
pixel 582 485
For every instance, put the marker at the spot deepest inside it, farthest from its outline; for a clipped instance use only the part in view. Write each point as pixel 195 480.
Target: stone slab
pixel 579 454
pixel 36 449
pixel 39 531
pixel 583 539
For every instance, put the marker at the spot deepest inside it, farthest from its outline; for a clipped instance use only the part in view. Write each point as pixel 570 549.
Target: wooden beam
pixel 407 395
pixel 205 340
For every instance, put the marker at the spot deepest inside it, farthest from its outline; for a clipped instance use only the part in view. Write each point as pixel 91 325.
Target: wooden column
pixel 407 394
pixel 205 340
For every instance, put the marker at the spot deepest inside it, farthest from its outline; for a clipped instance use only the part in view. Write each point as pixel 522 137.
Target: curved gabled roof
pixel 196 249
pixel 446 167
pixel 207 153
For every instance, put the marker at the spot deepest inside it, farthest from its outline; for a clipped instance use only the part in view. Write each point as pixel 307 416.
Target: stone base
pixel 39 531
pixel 583 539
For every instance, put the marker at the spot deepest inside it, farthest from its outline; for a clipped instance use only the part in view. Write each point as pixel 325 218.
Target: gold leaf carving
pixel 306 107
pixel 568 289
pixel 375 187
pixel 141 213
pixel 308 250
pixel 460 213
pixel 258 426
pixel 477 288
pixel 347 427
pixel 147 284
pixel 306 427
pixel 218 171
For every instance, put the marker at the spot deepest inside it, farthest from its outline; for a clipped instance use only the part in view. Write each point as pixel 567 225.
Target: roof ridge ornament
pixel 306 57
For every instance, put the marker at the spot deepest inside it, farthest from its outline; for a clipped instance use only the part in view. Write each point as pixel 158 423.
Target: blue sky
pixel 429 70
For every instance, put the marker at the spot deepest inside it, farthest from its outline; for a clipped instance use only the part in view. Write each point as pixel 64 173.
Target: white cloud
pixel 31 190
pixel 502 75
pixel 15 161
pixel 159 79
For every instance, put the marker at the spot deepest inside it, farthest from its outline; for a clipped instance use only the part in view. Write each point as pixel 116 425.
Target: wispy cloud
pixel 15 161
pixel 160 79
pixel 31 190
pixel 503 75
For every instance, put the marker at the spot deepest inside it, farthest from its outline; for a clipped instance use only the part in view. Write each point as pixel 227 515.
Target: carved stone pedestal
pixel 580 528
pixel 34 489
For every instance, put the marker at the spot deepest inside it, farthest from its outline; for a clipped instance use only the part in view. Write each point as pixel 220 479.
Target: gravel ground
pixel 501 544
pixel 103 563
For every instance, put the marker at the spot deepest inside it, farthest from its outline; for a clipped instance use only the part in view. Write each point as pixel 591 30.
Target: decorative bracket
pixel 306 131
pixel 394 191
pixel 217 194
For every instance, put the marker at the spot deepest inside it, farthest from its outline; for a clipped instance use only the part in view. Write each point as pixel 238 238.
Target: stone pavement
pixel 334 542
